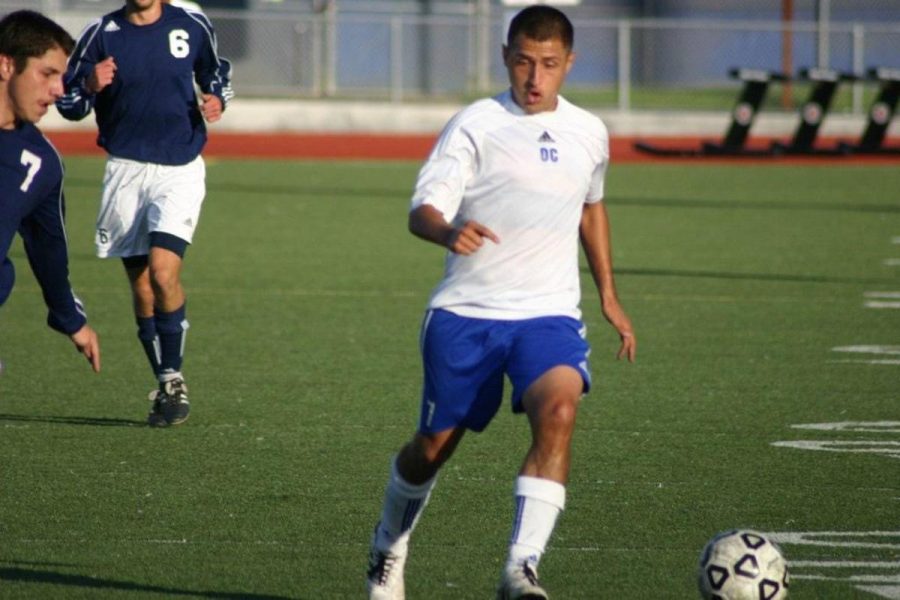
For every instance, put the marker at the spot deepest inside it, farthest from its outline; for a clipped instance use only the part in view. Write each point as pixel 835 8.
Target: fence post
pixel 483 57
pixel 331 48
pixel 859 66
pixel 823 23
pixel 624 55
pixel 396 59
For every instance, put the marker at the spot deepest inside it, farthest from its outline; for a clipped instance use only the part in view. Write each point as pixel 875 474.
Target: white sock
pixel 403 504
pixel 538 504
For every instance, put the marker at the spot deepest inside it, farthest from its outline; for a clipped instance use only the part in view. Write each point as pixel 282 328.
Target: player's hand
pixel 103 74
pixel 470 237
pixel 613 312
pixel 211 107
pixel 86 341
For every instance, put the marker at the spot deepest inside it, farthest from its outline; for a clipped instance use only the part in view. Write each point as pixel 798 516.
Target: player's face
pixel 141 5
pixel 34 90
pixel 537 70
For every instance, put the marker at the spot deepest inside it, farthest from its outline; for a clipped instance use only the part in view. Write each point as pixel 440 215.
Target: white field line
pixel 891 262
pixel 882 295
pixel 849 578
pixel 887 448
pixel 867 362
pixel 844 564
pixel 881 304
pixel 868 349
pixel 856 426
pixel 891 592
pixel 837 539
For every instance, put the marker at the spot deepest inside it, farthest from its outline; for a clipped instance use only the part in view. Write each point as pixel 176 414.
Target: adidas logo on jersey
pixel 111 26
pixel 545 138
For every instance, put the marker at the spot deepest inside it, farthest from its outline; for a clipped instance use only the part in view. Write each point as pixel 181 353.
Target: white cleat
pixel 520 582
pixel 384 578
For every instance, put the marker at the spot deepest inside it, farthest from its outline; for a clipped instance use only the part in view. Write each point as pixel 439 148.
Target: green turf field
pixel 305 296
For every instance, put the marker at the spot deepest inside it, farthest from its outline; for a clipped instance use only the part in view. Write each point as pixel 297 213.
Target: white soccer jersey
pixel 527 178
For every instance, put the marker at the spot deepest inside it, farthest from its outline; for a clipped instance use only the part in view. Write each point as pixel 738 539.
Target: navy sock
pixel 171 327
pixel 150 341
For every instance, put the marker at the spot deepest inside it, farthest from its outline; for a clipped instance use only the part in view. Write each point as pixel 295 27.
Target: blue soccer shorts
pixel 465 360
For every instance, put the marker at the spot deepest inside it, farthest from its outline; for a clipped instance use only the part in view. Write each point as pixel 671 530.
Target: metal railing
pixel 623 63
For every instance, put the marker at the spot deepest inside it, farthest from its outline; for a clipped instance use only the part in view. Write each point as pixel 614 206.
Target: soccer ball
pixel 742 565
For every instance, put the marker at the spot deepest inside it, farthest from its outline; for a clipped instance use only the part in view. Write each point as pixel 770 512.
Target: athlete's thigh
pixel 463 372
pixel 177 195
pixel 542 344
pixel 121 221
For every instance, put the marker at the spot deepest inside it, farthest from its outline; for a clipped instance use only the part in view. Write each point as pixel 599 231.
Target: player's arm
pixel 212 74
pixel 88 73
pixel 428 223
pixel 595 239
pixel 45 245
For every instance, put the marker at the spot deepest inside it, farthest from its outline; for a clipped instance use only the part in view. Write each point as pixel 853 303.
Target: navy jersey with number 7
pixel 149 112
pixel 31 202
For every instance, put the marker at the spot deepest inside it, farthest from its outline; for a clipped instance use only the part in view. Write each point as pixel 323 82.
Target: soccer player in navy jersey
pixel 33 51
pixel 512 186
pixel 136 68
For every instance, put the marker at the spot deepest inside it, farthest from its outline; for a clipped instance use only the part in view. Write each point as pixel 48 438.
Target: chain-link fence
pixel 628 62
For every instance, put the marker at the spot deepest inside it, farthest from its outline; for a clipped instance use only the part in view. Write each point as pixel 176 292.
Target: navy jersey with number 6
pixel 31 202
pixel 149 112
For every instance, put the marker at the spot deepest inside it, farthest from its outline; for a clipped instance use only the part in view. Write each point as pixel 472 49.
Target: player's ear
pixel 7 67
pixel 570 60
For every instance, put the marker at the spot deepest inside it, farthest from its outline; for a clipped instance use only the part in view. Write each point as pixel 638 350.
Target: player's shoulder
pixel 94 26
pixel 187 12
pixel 186 5
pixel 26 137
pixel 582 119
pixel 28 134
pixel 482 115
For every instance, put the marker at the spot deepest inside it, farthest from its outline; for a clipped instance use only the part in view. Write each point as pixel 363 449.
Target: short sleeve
pixel 598 177
pixel 443 178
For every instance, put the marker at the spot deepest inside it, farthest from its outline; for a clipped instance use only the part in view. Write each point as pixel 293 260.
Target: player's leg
pixel 176 195
pixel 170 318
pixel 136 267
pixel 462 390
pixel 550 402
pixel 412 478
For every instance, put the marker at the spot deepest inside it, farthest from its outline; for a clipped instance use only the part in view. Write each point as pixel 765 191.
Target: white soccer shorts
pixel 140 198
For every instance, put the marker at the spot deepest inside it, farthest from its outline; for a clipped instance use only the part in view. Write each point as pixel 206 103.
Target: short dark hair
pixel 28 34
pixel 541 22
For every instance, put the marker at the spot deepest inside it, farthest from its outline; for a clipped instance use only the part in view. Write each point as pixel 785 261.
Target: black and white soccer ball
pixel 742 565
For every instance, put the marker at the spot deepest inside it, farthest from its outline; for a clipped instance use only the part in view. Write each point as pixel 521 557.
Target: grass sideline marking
pixel 889 448
pixel 889 300
pixel 868 349
pixel 863 426
pixel 861 572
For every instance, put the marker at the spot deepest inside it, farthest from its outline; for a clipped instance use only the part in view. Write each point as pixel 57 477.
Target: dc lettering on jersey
pixel 549 155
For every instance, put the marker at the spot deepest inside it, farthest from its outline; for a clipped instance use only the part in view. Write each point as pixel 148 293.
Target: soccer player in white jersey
pixel 511 186
pixel 33 51
pixel 136 68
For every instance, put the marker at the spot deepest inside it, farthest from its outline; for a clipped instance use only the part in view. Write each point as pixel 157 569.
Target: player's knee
pixel 558 412
pixel 164 279
pixel 142 292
